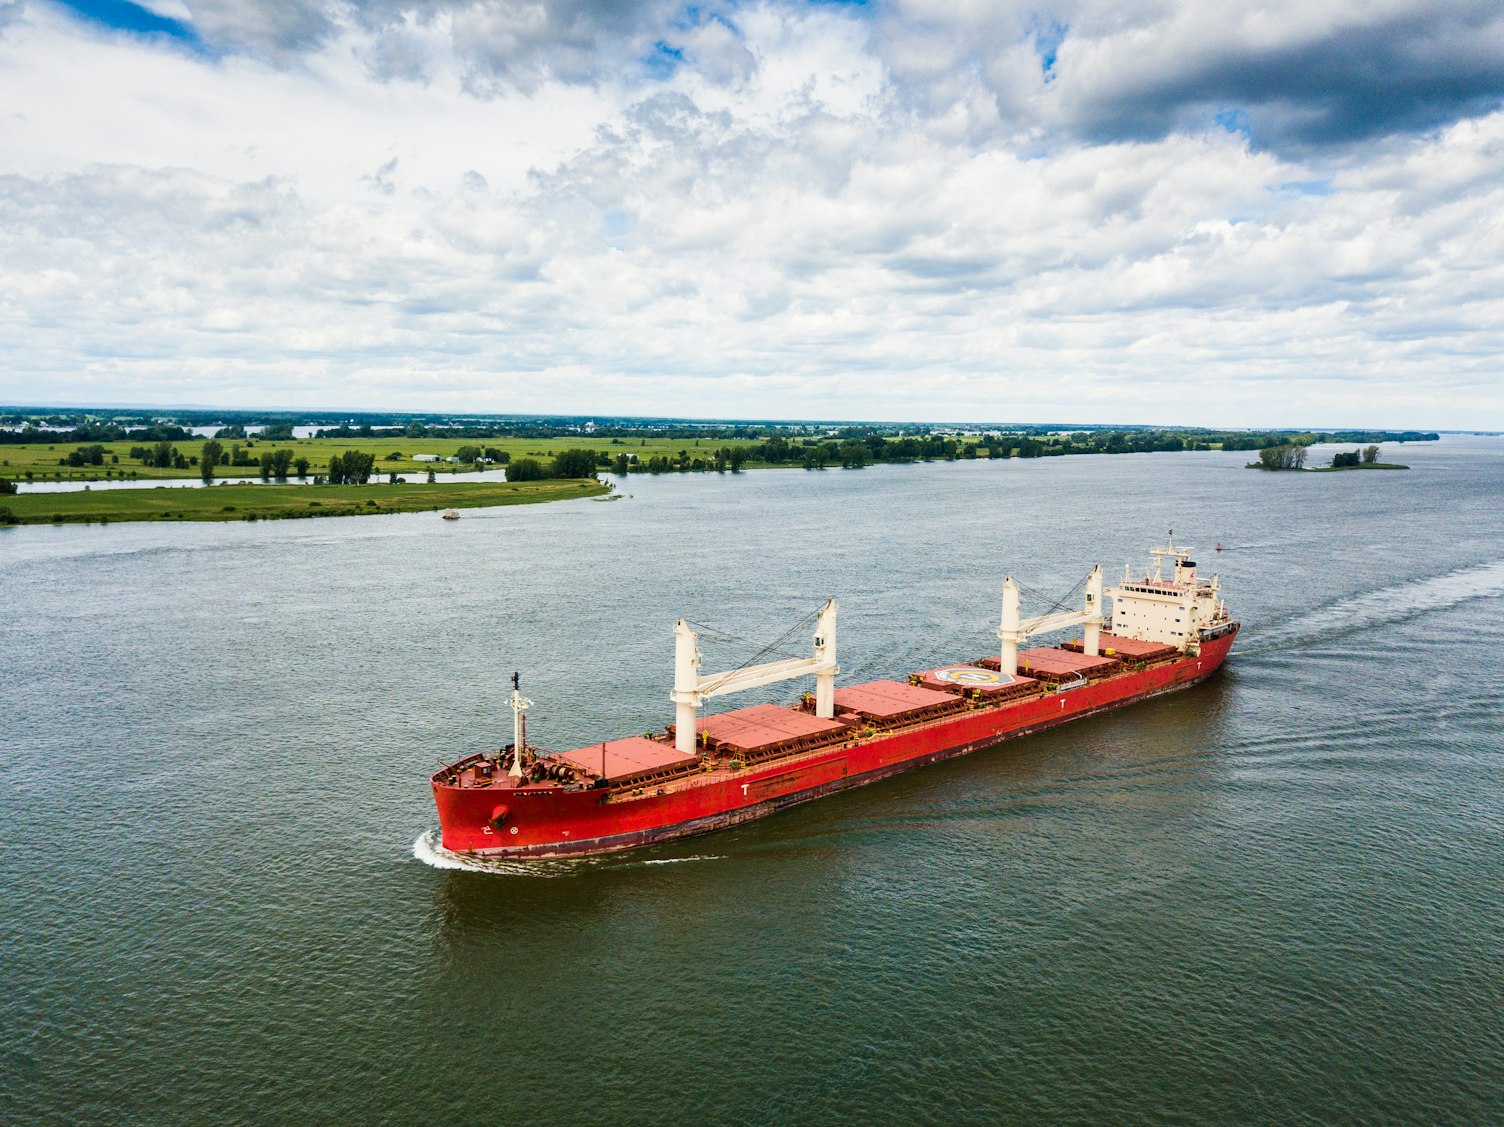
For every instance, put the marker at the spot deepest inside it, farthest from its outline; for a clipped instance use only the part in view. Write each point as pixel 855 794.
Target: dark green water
pixel 1276 898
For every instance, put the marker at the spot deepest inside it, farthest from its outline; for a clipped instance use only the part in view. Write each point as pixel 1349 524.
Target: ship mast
pixel 1180 556
pixel 520 705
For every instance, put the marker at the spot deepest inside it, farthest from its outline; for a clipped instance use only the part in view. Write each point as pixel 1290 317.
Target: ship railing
pixel 979 695
pixel 653 777
pixel 796 746
pixel 1005 694
pixel 1037 691
pixel 917 715
pixel 449 775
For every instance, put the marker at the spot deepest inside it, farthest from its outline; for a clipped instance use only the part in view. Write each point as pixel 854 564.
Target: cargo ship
pixel 1168 629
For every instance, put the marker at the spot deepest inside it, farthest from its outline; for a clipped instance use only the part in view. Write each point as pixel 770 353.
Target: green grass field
pixel 276 502
pixel 41 459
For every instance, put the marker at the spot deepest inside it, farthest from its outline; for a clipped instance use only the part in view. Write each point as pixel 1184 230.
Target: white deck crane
pixel 1015 630
pixel 693 688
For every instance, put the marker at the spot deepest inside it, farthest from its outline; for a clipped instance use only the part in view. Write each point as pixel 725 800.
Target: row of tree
pixel 491 454
pixel 86 456
pixel 1292 456
pixel 1285 457
pixel 163 455
pixel 852 449
pixel 96 432
pixel 353 467
pixel 1350 461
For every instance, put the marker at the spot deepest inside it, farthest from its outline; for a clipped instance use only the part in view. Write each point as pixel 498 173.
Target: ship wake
pixel 1388 606
pixel 428 850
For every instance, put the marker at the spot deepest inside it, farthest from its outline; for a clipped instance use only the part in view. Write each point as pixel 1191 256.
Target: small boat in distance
pixel 451 514
pixel 1169 629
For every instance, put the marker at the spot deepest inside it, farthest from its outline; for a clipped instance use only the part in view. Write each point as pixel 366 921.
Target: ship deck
pixel 732 741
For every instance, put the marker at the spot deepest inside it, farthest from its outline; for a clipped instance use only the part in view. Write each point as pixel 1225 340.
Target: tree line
pixel 1290 456
pixel 96 432
pixel 1350 461
pixel 1284 457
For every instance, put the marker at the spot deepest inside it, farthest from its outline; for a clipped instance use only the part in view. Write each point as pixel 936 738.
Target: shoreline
pixel 1325 469
pixel 283 502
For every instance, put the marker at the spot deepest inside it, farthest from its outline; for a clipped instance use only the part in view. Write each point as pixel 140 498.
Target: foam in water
pixel 428 850
pixel 1393 604
pixel 681 860
pixel 434 855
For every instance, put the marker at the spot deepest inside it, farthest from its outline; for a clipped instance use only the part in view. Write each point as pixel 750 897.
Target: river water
pixel 1278 897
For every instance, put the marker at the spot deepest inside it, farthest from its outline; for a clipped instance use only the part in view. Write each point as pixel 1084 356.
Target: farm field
pixel 393 455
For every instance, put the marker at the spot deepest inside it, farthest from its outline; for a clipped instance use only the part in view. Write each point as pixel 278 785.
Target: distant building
pixel 427 458
pixel 589 428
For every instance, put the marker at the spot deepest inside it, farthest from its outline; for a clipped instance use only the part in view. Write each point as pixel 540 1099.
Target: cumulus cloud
pixel 937 210
pixel 279 29
pixel 524 44
pixel 1292 74
pixel 1295 75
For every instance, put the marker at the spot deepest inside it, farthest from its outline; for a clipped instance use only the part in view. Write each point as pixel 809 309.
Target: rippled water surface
pixel 1278 897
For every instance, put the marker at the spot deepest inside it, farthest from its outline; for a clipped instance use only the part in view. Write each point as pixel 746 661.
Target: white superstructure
pixel 1174 611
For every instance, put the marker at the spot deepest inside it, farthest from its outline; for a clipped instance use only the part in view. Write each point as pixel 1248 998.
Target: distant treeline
pixel 1310 438
pixel 854 448
pixel 893 444
pixel 849 449
pixel 770 443
pixel 98 432
pixel 541 430
pixel 366 424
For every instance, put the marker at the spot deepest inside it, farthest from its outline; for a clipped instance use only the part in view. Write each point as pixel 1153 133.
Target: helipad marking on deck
pixel 969 675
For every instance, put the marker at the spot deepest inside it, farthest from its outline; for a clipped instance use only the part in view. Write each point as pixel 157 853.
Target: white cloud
pixel 168 9
pixel 803 212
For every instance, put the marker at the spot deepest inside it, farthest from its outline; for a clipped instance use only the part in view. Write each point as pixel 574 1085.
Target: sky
pixel 1184 212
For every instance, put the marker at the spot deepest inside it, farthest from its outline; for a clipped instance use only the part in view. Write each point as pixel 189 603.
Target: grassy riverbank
pixel 279 502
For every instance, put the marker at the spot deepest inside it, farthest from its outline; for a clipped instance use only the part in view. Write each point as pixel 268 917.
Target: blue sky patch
pixel 663 60
pixel 615 223
pixel 122 15
pixel 1047 40
pixel 1235 121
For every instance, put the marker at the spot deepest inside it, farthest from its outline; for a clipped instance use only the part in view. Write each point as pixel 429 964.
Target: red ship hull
pixel 527 823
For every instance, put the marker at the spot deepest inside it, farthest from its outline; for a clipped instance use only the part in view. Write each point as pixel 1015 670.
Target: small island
pixel 1365 459
pixel 1291 456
